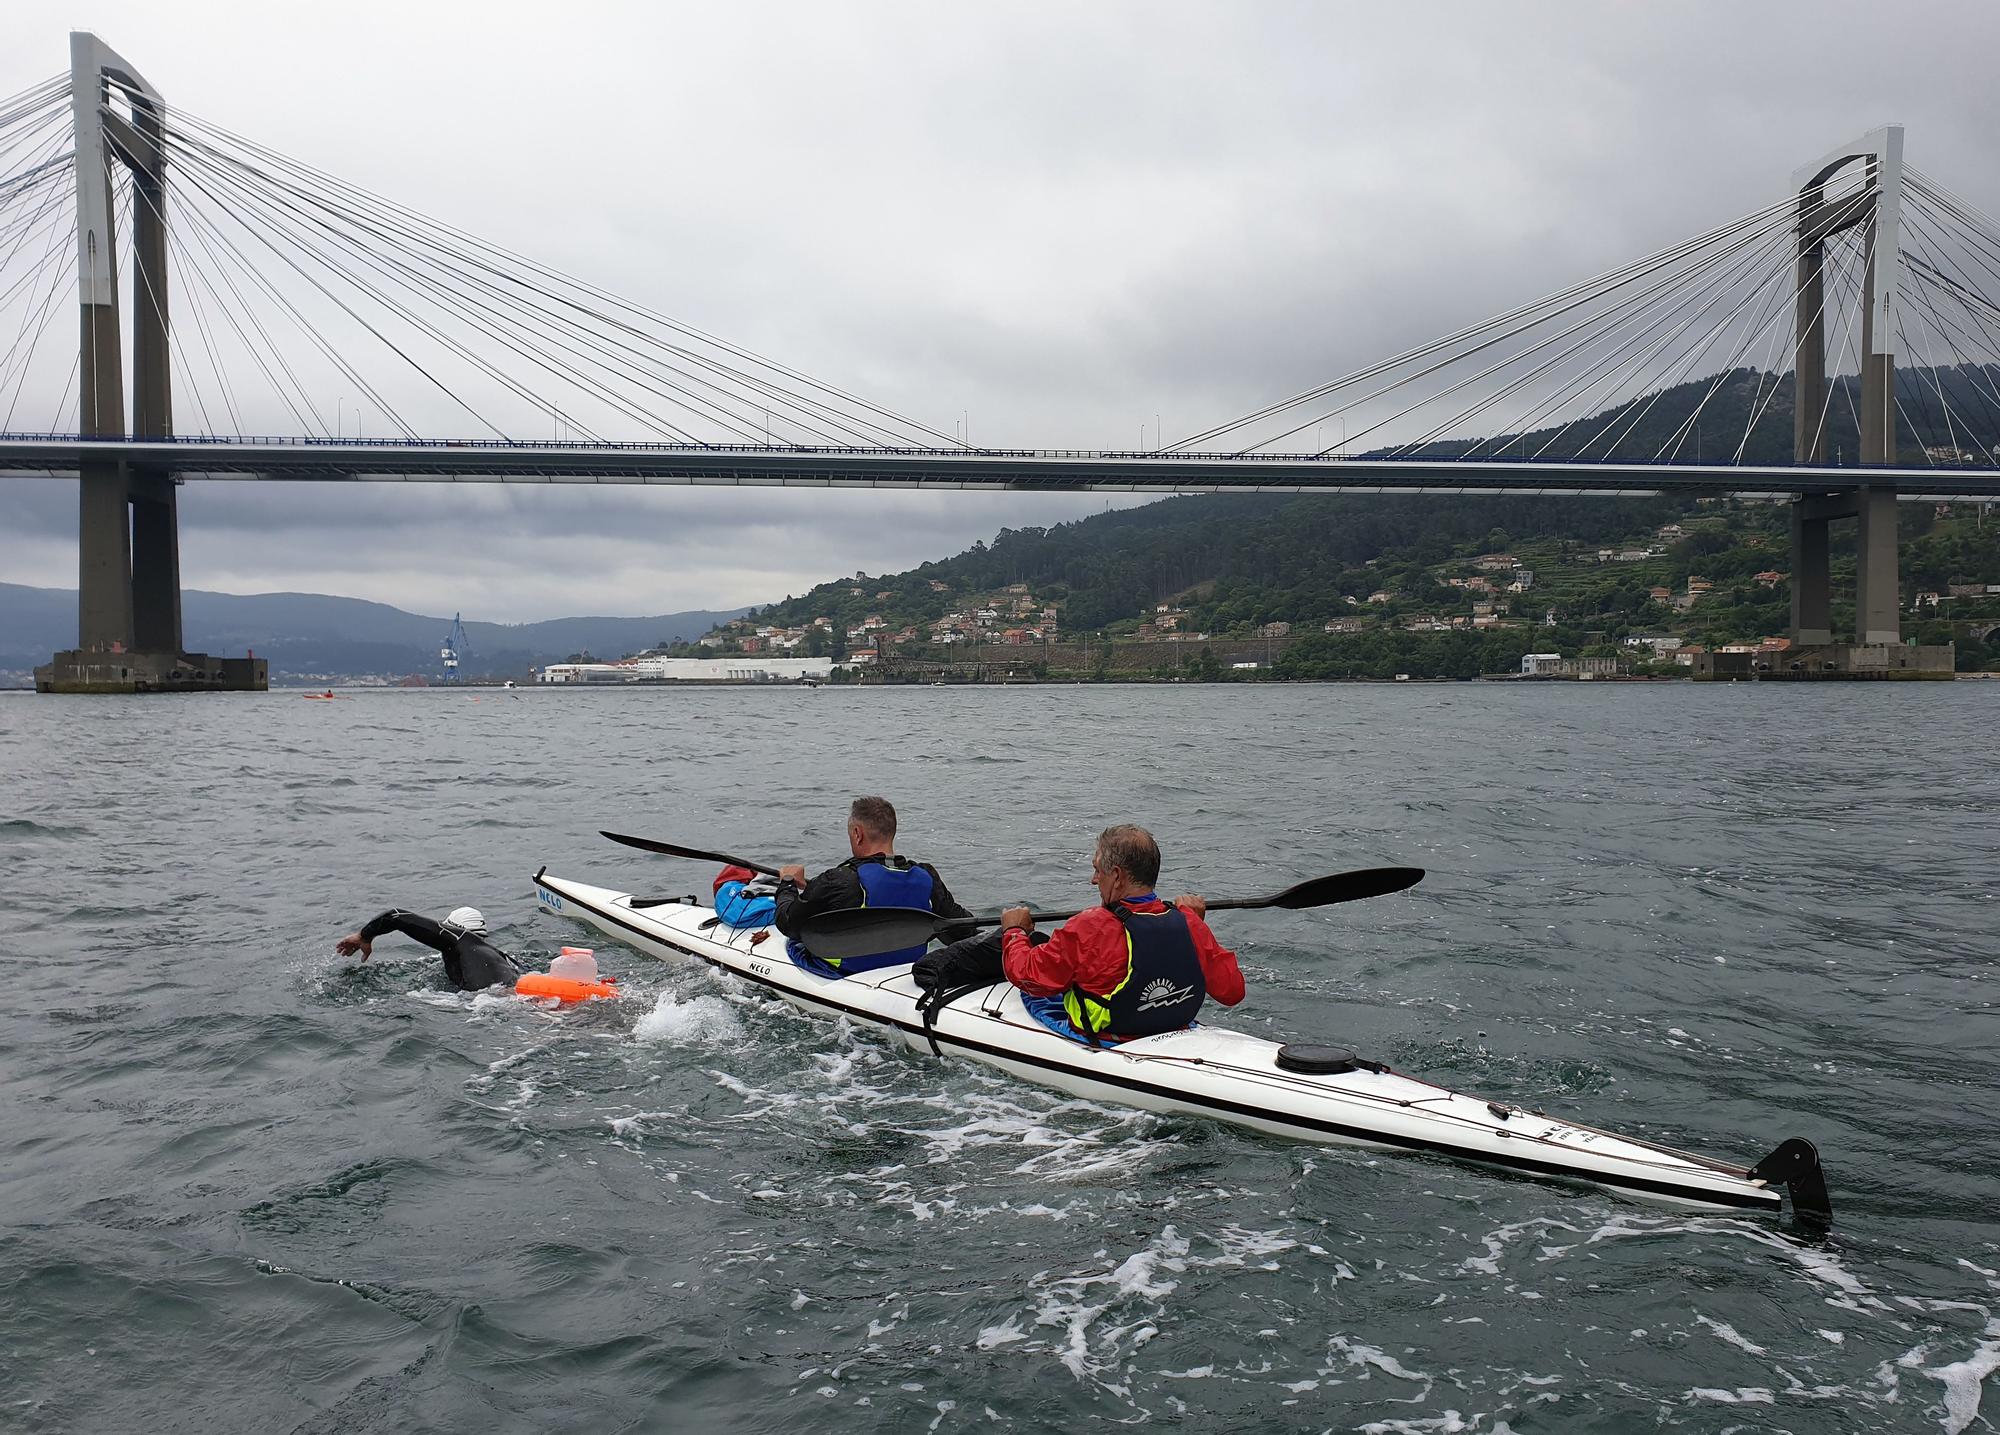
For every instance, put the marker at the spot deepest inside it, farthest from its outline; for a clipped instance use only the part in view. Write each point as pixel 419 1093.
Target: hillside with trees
pixel 1380 585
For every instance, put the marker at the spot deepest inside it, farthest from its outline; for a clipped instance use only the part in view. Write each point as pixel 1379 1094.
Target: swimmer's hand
pixel 354 942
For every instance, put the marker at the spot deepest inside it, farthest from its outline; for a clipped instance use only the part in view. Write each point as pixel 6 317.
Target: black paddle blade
pixel 1336 887
pixel 669 849
pixel 867 931
pixel 1348 887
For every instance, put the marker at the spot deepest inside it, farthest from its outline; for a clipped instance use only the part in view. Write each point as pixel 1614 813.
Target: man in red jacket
pixel 1134 966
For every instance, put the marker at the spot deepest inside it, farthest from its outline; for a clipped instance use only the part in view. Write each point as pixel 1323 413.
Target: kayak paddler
pixel 872 876
pixel 1131 966
pixel 472 962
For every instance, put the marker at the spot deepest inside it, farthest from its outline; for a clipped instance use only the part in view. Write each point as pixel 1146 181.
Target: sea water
pixel 248 1185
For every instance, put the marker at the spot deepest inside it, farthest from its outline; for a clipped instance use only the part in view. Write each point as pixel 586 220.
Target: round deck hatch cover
pixel 1316 1060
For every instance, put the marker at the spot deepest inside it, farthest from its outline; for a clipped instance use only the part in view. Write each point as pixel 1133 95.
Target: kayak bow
pixel 1303 1093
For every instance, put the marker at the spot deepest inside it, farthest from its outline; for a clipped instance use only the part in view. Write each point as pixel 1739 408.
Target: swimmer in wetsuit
pixel 472 962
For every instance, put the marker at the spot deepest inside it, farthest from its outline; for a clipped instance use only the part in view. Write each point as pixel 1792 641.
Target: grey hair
pixel 1131 848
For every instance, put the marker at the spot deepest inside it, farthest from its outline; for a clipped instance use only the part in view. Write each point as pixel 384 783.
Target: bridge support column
pixel 156 564
pixel 1812 577
pixel 1877 592
pixel 1870 202
pixel 104 551
pixel 129 571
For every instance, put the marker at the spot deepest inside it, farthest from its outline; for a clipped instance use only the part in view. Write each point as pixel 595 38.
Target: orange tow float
pixel 571 977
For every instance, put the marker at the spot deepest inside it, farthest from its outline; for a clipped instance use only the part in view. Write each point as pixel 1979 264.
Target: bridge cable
pixel 307 417
pixel 1642 301
pixel 571 282
pixel 54 272
pixel 1576 326
pixel 326 348
pixel 139 278
pixel 764 390
pixel 1535 312
pixel 424 283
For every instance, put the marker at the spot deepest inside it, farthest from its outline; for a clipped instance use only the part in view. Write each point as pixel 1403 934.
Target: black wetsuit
pixel 472 962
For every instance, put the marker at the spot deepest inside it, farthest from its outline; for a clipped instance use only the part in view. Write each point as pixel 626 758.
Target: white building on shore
pixel 748 669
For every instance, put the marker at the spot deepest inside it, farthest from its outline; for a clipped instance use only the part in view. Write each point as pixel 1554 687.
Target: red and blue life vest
pixel 1163 986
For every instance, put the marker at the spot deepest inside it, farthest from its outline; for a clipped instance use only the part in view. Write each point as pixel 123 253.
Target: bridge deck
pixel 477 461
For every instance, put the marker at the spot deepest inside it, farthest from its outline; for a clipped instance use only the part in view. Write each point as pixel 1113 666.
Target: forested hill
pixel 1264 556
pixel 1234 561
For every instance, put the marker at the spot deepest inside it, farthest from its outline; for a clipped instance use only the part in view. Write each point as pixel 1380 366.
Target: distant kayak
pixel 1307 1093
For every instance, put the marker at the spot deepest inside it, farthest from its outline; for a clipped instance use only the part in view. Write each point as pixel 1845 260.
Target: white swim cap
pixel 466 919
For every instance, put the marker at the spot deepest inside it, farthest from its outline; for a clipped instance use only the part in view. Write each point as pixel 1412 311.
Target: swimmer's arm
pixel 414 925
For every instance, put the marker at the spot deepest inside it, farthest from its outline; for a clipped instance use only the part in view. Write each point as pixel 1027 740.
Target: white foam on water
pixel 1073 1304
pixel 697 1021
pixel 638 1123
pixel 491 1002
pixel 1747 1395
pixel 1497 1242
pixel 1006 1333
pixel 1964 1379
pixel 1371 1358
pixel 1036 1208
pixel 1819 1264
pixel 1242 1247
pixel 1728 1335
pixel 770 1100
pixel 1449 1423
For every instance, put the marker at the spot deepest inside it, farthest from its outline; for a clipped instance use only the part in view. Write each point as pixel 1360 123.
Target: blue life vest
pixel 885 882
pixel 1163 986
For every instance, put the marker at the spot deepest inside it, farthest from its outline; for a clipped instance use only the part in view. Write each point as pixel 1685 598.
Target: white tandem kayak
pixel 1211 1071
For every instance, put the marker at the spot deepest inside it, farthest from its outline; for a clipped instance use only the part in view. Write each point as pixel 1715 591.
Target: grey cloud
pixel 1065 219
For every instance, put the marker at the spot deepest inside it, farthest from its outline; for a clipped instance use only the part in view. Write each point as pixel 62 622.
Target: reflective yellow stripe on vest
pixel 1090 1014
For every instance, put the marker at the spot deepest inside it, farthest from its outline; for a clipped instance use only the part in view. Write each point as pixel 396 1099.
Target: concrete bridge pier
pixel 1873 206
pixel 1877 588
pixel 128 550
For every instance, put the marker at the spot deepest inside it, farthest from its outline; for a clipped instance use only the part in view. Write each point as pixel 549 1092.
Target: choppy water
pixel 247 1186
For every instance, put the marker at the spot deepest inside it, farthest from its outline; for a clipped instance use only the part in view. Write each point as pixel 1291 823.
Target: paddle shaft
pixel 1225 905
pixel 1319 892
pixel 670 849
pixel 867 931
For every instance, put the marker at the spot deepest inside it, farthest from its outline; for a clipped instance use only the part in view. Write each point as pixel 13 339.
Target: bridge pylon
pixel 1874 205
pixel 129 637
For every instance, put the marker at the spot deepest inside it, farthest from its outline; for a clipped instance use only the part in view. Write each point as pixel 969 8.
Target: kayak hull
pixel 1204 1071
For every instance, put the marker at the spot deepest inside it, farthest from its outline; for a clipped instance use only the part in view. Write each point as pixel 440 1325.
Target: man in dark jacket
pixel 874 876
pixel 472 962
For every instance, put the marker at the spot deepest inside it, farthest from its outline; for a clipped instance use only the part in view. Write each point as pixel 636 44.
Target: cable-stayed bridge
pixel 1839 346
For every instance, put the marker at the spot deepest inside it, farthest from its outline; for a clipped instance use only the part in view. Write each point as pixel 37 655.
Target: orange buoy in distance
pixel 571 977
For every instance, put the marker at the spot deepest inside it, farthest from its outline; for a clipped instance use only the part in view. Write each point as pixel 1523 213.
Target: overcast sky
pixel 1059 220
